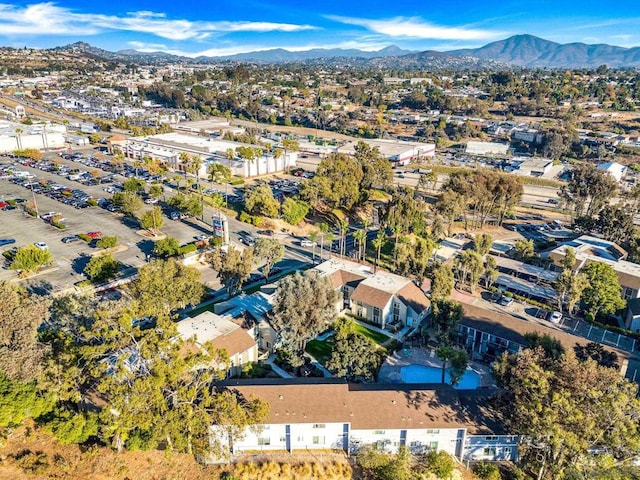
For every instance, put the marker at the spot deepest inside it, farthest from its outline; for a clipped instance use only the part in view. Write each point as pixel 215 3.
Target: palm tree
pixel 313 236
pixel 330 237
pixel 344 227
pixel 324 228
pixel 365 226
pixel 19 137
pixel 397 230
pixel 184 159
pixel 377 244
pixel 360 236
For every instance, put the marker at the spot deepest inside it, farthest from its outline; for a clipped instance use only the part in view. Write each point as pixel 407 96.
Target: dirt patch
pixel 153 236
pixel 106 251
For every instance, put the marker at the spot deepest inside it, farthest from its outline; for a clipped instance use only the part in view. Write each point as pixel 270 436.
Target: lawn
pixel 377 337
pixel 320 349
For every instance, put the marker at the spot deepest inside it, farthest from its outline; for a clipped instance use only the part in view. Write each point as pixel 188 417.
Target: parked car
pixel 70 238
pixel 6 241
pixel 41 245
pixel 151 201
pixel 505 301
pixel 94 234
pixel 495 297
pixel 307 243
pixel 554 317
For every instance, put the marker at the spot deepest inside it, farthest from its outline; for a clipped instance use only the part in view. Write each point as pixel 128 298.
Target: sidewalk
pixel 316 363
pixel 276 368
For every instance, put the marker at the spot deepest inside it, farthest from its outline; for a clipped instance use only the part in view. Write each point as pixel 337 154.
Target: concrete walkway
pixel 326 373
pixel 276 368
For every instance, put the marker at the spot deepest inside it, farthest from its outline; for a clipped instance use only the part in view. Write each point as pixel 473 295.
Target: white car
pixel 41 245
pixel 307 243
pixel 554 317
pixel 201 237
pixel 151 201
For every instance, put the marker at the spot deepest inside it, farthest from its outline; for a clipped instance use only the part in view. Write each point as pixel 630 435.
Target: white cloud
pixel 51 19
pixel 417 28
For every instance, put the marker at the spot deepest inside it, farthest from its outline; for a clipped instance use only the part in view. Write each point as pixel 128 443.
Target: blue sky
pixel 222 27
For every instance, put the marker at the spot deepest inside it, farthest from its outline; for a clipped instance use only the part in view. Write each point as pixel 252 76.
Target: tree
pixel 164 285
pixel 21 353
pixel 490 271
pixel 233 266
pixel 152 220
pixel 360 236
pixel 133 185
pixel 294 211
pixel 564 408
pixel 156 191
pixel 129 201
pixel 376 169
pixel 470 266
pixel 551 347
pixel 378 242
pixel 353 356
pixel 405 212
pixel 588 190
pixel 271 251
pixel 305 304
pixel 598 353
pixel 337 181
pixel 458 361
pixel 30 258
pixel 442 282
pixel 187 204
pixel 167 247
pixel 579 282
pixel 260 201
pixel 446 316
pixel 107 242
pixel 603 295
pixel 524 249
pixel 482 243
pixel 101 268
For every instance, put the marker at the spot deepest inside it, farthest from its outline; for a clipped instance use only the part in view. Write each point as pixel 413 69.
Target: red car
pixel 94 234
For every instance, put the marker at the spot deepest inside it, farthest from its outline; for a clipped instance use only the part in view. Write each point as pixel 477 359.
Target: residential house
pixel 632 317
pixel 330 414
pixel 384 299
pixel 253 309
pixel 486 334
pixel 614 169
pixel 222 334
pixel 592 249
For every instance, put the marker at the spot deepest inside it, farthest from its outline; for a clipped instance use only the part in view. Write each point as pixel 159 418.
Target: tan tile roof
pixel 365 406
pixel 237 341
pixel 342 277
pixel 371 296
pixel 413 297
pixel 514 329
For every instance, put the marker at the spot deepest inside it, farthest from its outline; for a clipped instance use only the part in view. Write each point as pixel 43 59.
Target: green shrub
pixel 167 247
pixel 85 237
pixel 440 463
pixel 92 202
pixel 250 219
pixel 236 181
pixel 487 471
pixel 139 440
pixel 188 248
pixel 101 268
pixel 107 242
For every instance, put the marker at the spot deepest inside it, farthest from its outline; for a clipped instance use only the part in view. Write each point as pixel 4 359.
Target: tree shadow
pixel 39 287
pixel 145 246
pixel 80 262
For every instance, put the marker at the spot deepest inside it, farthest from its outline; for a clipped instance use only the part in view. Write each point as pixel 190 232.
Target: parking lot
pixel 70 258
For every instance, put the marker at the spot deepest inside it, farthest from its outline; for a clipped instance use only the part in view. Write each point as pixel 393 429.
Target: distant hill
pixel 279 55
pixel 516 51
pixel 531 51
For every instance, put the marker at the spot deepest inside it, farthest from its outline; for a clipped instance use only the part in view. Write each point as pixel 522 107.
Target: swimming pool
pixel 426 374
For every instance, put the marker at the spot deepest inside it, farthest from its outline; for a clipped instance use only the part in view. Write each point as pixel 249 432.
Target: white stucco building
pixel 330 414
pixel 17 136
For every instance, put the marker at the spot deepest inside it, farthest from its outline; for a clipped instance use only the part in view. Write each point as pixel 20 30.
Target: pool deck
pixel 390 369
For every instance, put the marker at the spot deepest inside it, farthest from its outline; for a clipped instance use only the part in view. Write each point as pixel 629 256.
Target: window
pixel 300 438
pixel 490 439
pixel 489 452
pixel 264 441
pixel 378 432
pixel 283 439
pixel 433 431
pixel 507 450
pixel 433 445
pixel 376 315
pixel 318 440
pixel 415 444
pixel 396 312
pixel 319 425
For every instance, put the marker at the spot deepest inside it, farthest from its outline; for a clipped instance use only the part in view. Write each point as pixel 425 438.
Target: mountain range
pixel 517 51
